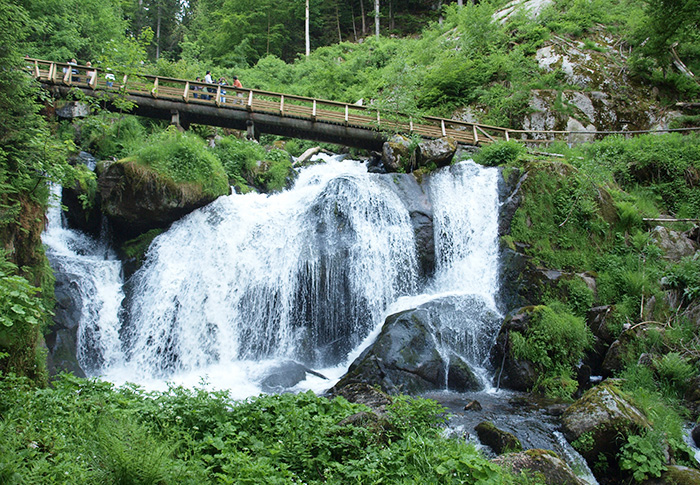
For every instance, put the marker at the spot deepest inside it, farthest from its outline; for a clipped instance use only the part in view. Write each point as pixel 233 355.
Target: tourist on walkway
pixel 208 80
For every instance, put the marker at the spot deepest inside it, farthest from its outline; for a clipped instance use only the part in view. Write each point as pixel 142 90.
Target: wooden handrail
pixel 290 105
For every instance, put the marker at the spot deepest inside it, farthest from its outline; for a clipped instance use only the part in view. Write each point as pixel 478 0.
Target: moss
pixel 136 248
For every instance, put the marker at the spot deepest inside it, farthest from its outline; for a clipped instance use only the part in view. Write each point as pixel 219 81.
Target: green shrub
pixel 555 341
pixel 642 456
pixel 500 153
pixel 184 158
pixel 674 373
pixel 125 435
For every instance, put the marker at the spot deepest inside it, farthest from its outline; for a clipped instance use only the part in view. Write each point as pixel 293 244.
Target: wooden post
pixel 154 91
pixel 507 137
pixel 186 93
pixel 37 74
pixel 476 136
pixel 442 125
pixel 250 100
pixel 379 121
pixel 313 111
pixel 346 114
pixel 410 124
pixel 218 95
pixel 124 80
pixel 282 105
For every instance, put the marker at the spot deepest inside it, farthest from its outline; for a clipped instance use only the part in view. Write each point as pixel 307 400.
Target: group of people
pixel 209 80
pixel 109 77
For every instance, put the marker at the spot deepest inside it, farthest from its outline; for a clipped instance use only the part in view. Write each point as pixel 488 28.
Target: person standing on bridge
pixel 237 84
pixel 208 80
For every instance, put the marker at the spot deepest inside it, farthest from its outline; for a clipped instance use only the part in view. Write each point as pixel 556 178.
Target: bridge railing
pixel 259 101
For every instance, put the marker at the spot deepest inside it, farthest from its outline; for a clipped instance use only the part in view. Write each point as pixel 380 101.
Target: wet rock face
pixel 546 462
pixel 62 340
pixel 599 423
pixel 412 355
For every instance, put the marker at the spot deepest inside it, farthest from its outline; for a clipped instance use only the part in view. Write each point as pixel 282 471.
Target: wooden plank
pixel 186 93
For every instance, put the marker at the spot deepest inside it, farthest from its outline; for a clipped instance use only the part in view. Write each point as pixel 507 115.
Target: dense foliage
pixel 85 431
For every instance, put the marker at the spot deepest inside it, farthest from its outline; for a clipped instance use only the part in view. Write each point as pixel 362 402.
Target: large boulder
pixel 676 475
pixel 397 154
pixel 439 151
pixel 62 340
pixel 674 244
pixel 137 199
pixel 598 424
pixel 425 348
pixel 553 469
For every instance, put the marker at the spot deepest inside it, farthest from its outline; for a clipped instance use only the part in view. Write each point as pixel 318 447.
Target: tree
pixel 306 30
pixel 669 22
pixel 376 18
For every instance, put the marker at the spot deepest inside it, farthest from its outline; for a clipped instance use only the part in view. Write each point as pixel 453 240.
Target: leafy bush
pixel 125 435
pixel 674 373
pixel 22 318
pixel 642 456
pixel 184 158
pixel 554 342
pixel 249 164
pixel 500 153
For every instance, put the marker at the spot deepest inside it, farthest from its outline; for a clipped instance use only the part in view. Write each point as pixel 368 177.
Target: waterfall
pixel 307 275
pixel 94 275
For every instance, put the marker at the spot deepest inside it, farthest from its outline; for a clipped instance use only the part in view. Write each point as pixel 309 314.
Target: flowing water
pixel 251 282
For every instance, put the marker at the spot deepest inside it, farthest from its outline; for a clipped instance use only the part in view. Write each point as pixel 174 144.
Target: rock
pixel 285 376
pixel 137 199
pixel 554 469
pixel 599 423
pixel 62 340
pixel 695 434
pixel 361 393
pixel 73 109
pixel 619 351
pixel 416 200
pixel 439 151
pixel 498 440
pixel 674 244
pixel 397 154
pixel 420 349
pixel 516 374
pixel 676 475
pixel 82 198
pixel 473 405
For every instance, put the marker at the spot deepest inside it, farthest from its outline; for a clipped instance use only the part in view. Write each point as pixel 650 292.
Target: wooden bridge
pixel 184 102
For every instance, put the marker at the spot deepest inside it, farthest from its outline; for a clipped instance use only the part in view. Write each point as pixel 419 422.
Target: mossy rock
pixel 137 199
pixel 598 424
pixel 676 475
pixel 498 440
pixel 542 462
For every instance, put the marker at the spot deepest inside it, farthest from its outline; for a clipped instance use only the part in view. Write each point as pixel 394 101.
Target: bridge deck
pixel 267 109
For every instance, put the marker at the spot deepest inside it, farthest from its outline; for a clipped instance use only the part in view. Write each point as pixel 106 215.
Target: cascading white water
pixel 307 275
pixel 302 275
pixel 95 275
pixel 462 294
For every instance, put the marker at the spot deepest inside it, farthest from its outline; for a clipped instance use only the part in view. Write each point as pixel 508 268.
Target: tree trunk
pixel 306 31
pixel 391 15
pixel 354 27
pixel 460 3
pixel 364 19
pixel 337 18
pixel 376 18
pixel 158 34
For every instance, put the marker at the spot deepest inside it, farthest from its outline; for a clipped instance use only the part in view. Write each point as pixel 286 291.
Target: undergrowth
pixel 88 431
